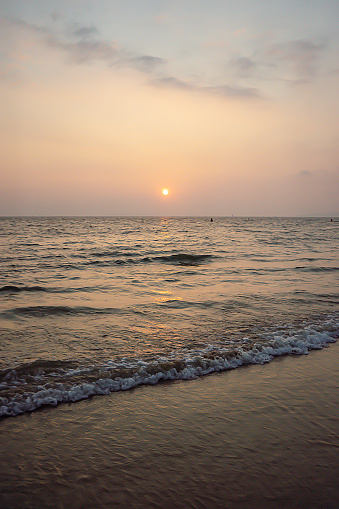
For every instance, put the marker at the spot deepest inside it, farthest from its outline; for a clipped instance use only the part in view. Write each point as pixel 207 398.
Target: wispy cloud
pixel 81 44
pixel 305 173
pixel 303 56
pixel 172 82
pixel 223 90
pixel 145 63
pixel 294 62
pixel 235 91
pixel 243 67
pixel 84 31
pixel 81 52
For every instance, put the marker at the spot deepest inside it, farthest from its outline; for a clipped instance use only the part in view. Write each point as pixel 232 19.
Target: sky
pixel 230 105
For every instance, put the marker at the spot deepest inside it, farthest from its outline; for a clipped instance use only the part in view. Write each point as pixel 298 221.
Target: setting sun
pixel 165 192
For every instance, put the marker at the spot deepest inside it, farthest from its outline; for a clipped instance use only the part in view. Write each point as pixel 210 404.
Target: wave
pixel 71 289
pixel 17 289
pixel 173 259
pixel 107 259
pixel 317 269
pixel 184 258
pixel 45 311
pixel 35 368
pixel 104 254
pixel 40 383
pixel 28 244
pixel 183 304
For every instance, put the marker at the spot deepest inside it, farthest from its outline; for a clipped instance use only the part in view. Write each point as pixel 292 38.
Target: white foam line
pixel 194 365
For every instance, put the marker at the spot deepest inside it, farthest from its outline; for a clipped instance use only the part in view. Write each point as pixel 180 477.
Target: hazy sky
pixel 230 105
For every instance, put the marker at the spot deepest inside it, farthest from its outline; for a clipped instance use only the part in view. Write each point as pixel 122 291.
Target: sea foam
pixel 25 391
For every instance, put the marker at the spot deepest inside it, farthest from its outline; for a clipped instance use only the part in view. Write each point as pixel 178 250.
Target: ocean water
pixel 89 306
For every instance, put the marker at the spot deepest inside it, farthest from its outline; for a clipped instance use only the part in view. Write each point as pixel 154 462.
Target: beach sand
pixel 255 437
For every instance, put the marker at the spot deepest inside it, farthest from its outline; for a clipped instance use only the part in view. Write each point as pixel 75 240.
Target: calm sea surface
pixel 95 305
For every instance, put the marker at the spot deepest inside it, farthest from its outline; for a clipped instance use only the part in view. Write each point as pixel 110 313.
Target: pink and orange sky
pixel 231 106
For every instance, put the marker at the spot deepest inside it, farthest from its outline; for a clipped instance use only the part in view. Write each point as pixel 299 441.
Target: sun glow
pixel 165 192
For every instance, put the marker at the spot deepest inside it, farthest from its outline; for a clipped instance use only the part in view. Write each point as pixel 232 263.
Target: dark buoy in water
pixel 211 219
pixel 331 220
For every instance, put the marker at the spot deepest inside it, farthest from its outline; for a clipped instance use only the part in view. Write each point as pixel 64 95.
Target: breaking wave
pixel 33 385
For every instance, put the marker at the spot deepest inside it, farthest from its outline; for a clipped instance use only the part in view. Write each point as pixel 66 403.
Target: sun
pixel 165 192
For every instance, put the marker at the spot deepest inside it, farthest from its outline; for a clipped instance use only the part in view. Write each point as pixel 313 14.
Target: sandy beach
pixel 258 436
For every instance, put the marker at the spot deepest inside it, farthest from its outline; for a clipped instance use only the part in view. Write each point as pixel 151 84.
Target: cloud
pixel 235 91
pixel 223 90
pixel 294 62
pixel 85 32
pixel 301 55
pixel 305 173
pixel 32 27
pixel 79 52
pixel 244 67
pixel 85 51
pixel 81 45
pixel 170 81
pixel 146 63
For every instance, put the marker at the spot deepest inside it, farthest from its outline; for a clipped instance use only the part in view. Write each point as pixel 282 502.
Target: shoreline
pixel 257 436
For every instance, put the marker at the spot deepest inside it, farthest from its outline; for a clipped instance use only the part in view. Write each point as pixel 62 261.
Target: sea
pixel 95 305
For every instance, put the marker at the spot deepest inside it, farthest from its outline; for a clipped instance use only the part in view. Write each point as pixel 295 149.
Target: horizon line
pixel 168 216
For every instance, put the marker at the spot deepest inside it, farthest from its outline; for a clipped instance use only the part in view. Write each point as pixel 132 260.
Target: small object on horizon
pixel 211 219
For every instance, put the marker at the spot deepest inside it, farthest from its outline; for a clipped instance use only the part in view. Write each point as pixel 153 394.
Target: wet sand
pixel 258 436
